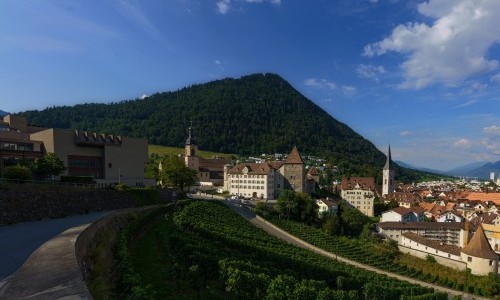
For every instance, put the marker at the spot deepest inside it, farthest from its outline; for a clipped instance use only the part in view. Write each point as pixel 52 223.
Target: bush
pixel 17 172
pixel 430 258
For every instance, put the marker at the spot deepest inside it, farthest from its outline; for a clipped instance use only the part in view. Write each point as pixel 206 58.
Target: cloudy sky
pixel 423 76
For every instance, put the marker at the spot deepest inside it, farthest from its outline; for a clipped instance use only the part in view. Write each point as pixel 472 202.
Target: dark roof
pixel 388 162
pixel 364 182
pixel 422 225
pixel 294 157
pixel 479 246
pixel 253 168
pixel 403 210
pixel 455 250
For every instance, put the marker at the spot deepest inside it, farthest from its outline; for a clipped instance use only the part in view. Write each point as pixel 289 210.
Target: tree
pixel 332 224
pixel 175 173
pixel 306 208
pixel 48 165
pixel 352 220
pixel 286 205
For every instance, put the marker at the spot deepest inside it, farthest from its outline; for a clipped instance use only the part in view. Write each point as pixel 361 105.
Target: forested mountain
pixel 3 113
pixel 260 113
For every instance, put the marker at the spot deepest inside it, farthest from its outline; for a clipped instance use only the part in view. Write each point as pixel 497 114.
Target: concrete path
pixel 18 241
pixel 274 230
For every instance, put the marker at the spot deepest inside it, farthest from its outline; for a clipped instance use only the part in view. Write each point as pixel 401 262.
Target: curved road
pixel 18 241
pixel 279 233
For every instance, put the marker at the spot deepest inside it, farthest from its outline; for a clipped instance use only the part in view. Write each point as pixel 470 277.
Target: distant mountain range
pixel 481 169
pixel 409 166
pixel 3 113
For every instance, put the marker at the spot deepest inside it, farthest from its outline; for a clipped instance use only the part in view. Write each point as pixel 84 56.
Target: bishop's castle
pixel 258 180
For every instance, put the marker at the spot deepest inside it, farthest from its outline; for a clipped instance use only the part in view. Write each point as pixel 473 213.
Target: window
pixel 491 263
pixel 469 259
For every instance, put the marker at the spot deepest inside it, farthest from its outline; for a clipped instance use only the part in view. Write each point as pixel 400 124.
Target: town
pixel 456 222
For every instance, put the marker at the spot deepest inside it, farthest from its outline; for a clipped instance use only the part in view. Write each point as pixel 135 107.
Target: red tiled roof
pixel 479 246
pixel 493 197
pixel 364 183
pixel 313 171
pixel 294 157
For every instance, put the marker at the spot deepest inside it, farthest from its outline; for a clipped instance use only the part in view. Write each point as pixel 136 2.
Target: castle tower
pixel 388 176
pixel 294 171
pixel 479 256
pixel 191 153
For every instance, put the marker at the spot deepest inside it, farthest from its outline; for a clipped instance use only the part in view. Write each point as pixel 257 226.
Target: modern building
pixel 388 175
pixel 107 158
pixel 359 192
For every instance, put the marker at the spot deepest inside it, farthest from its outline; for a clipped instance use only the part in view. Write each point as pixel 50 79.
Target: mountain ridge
pixel 258 113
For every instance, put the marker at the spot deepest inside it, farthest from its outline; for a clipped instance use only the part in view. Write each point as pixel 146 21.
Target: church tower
pixel 388 176
pixel 191 154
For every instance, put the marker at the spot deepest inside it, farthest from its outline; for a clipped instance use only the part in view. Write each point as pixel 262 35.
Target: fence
pixel 45 186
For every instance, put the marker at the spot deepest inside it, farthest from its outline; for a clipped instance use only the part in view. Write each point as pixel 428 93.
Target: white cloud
pixel 492 130
pixel 462 143
pixel 217 62
pixel 320 83
pixel 144 96
pixel 495 78
pixel 348 90
pixel 223 6
pixel 492 139
pixel 468 103
pixel 370 71
pixel 405 133
pixel 474 88
pixel 449 50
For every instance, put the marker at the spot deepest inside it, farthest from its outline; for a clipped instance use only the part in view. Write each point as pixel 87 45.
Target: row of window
pixel 248 176
pixel 249 181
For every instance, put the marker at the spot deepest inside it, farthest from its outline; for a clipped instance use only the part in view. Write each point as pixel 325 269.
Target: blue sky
pixel 423 76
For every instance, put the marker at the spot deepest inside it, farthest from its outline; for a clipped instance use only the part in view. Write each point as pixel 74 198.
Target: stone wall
pixel 22 206
pixel 441 260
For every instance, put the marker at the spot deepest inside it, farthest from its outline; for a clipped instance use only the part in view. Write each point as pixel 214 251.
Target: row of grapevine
pixel 210 247
pixel 385 257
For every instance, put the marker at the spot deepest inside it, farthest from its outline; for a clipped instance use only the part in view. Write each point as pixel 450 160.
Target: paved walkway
pixel 18 241
pixel 274 230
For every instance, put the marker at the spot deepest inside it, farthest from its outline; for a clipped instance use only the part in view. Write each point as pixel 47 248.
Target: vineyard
pixel 206 251
pixel 386 257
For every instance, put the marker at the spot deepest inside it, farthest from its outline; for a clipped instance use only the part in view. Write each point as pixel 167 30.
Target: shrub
pixel 17 172
pixel 430 258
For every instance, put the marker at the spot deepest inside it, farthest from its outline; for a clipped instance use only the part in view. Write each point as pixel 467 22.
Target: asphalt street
pixel 18 241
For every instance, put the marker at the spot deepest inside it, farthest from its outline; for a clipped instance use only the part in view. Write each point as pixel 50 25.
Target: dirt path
pixel 279 233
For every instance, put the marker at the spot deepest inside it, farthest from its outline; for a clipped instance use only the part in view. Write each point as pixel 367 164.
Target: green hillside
pixel 260 113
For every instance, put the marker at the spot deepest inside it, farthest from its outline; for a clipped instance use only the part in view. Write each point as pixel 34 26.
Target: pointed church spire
pixel 388 163
pixel 191 140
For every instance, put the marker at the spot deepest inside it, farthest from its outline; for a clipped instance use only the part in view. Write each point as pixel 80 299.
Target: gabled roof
pixel 313 171
pixel 452 249
pixel 479 246
pixel 363 182
pixel 251 168
pixel 294 157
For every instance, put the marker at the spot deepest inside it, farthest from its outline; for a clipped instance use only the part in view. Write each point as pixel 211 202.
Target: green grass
pixel 164 150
